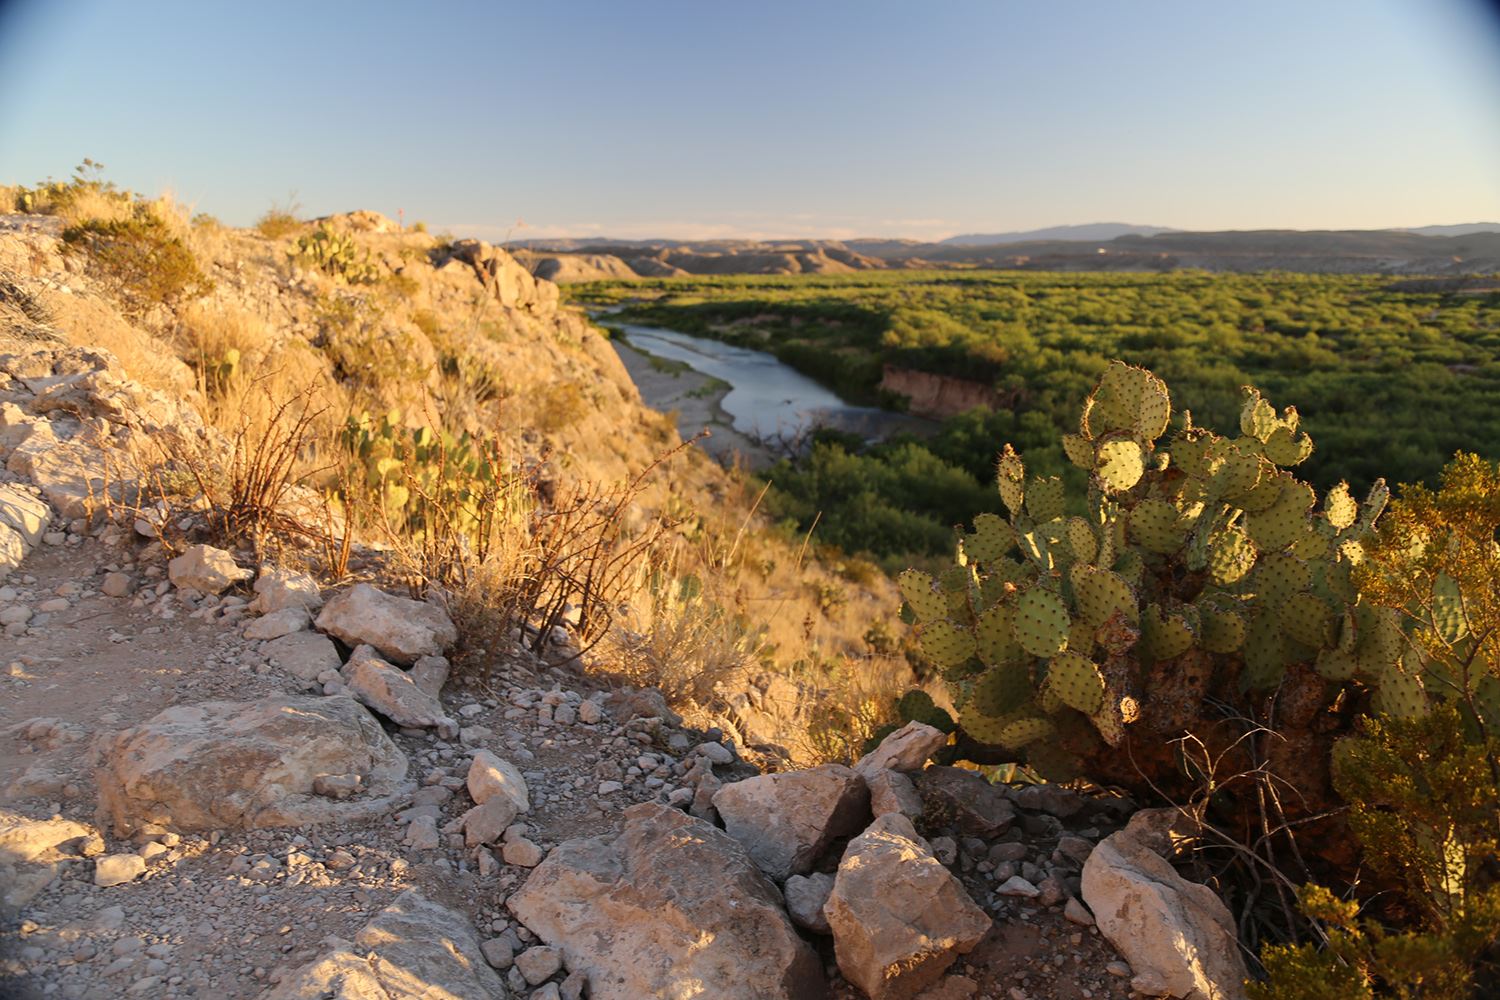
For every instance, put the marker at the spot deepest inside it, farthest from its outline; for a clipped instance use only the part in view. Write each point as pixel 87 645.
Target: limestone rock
pixel 414 949
pixel 304 655
pixel 117 869
pixel 222 764
pixel 907 749
pixel 893 792
pixel 899 918
pixel 668 906
pixel 29 854
pixel 400 628
pixel 966 800
pixel 393 694
pixel 278 624
pixel 490 776
pixel 430 673
pixel 72 476
pixel 277 589
pixel 1178 936
pixel 786 820
pixel 23 521
pixel 486 822
pixel 206 569
pixel 806 896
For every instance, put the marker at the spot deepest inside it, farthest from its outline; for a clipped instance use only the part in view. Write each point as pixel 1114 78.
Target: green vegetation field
pixel 1390 378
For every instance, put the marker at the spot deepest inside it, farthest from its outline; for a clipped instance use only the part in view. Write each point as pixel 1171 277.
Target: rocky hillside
pixel 306 696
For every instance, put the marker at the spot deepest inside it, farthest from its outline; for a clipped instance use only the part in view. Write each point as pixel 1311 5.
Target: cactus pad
pixel 946 644
pixel 1010 475
pixel 1230 556
pixel 1158 526
pixel 1221 631
pixel 1257 417
pixel 1164 636
pixel 1081 540
pixel 1448 617
pixel 1002 690
pixel 1024 731
pixel 1077 681
pixel 1399 692
pixel 1042 622
pixel 1044 499
pixel 917 706
pixel 1339 508
pixel 990 539
pixel 926 603
pixel 1120 465
pixel 1306 619
pixel 1336 665
pixel 1279 576
pixel 1079 449
pixel 1286 449
pixel 984 728
pixel 994 638
pixel 1281 524
pixel 1101 594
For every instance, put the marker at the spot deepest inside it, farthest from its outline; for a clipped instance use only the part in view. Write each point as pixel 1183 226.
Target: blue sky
pixel 836 118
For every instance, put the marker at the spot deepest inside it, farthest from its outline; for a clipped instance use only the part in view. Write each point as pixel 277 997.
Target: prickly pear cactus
pixel 335 254
pixel 1196 567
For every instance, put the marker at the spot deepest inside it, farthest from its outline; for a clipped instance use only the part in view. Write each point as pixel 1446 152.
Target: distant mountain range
pixel 1437 251
pixel 1090 231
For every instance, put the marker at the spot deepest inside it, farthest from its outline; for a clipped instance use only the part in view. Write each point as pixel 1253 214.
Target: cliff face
pixel 937 396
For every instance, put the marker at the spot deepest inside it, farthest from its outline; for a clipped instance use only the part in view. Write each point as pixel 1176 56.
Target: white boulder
pixel 400 628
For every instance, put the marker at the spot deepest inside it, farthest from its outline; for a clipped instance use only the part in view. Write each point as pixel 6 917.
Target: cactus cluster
pixel 1195 563
pixel 336 254
pixel 409 471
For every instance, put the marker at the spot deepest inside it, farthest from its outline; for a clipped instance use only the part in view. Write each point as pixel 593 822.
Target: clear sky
pixel 700 118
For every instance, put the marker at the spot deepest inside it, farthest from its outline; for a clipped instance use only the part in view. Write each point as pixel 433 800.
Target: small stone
pixel 336 786
pixel 539 964
pixel 574 986
pixel 53 605
pixel 278 624
pixel 151 849
pixel 522 852
pixel 498 952
pixel 117 585
pixel 1075 912
pixel 117 869
pixel 609 787
pixel 1119 969
pixel 1018 886
pixel 422 835
pixel 717 753
pixel 589 713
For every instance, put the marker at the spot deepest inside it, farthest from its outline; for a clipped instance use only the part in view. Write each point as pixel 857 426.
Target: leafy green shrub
pixel 1425 804
pixel 140 256
pixel 335 254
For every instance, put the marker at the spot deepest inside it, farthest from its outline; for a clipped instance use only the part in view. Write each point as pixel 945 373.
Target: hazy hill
pixel 1089 231
pixel 1437 251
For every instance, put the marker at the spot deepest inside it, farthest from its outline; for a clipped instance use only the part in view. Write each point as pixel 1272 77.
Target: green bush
pixel 141 258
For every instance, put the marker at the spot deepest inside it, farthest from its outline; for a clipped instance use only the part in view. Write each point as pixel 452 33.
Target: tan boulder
pixel 1178 936
pixel 391 692
pixel 30 850
pixel 400 628
pixel 222 764
pixel 206 569
pixel 907 749
pixel 785 821
pixel 899 918
pixel 667 907
pixel 491 776
pixel 277 589
pixel 413 949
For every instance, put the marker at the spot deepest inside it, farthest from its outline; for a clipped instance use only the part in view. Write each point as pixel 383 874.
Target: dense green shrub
pixel 140 256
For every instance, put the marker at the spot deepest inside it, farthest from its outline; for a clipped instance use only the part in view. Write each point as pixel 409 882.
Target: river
pixel 751 402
